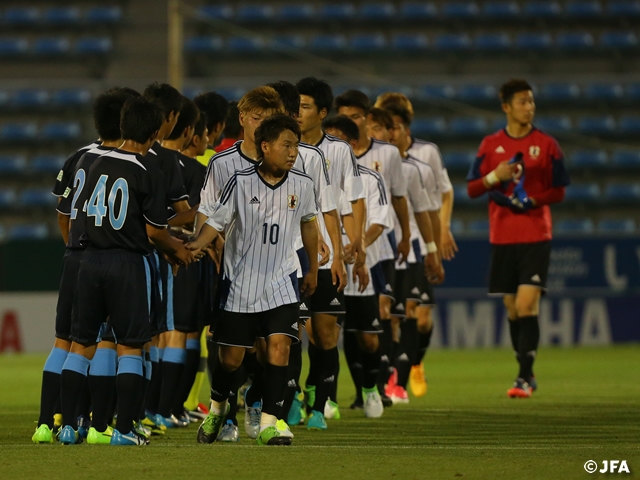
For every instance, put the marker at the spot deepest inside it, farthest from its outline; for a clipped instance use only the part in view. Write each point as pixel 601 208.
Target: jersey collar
pixel 533 129
pixel 251 160
pixel 272 187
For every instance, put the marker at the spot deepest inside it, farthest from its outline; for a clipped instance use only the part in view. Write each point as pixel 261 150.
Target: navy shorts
pixel 188 302
pixel 67 292
pixel 389 270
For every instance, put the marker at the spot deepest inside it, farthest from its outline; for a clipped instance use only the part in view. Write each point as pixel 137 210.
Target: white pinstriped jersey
pixel 385 159
pixel 342 167
pixel 429 153
pixel 377 213
pixel 261 223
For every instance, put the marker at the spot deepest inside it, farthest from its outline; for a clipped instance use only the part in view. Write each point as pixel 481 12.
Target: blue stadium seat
pixel 619 40
pixel 493 42
pixel 376 12
pixel 559 92
pixel 8 198
pixel 586 192
pixel 477 93
pixel 332 43
pixel 623 192
pixel 418 11
pixel 72 97
pixel 501 10
pixel 542 9
pixel 621 225
pixel 604 125
pixel 573 226
pixel 93 46
pixel 2 233
pixel 498 123
pixel 583 9
pixel 429 92
pixel 427 127
pixel 35 231
pixel 376 90
pixel 203 44
pixel 478 227
pixel 103 15
pixel 30 98
pixel 4 98
pixel 37 197
pixel 534 41
pixel 61 16
pixel 624 8
pixel 632 92
pixel 47 163
pixel 218 12
pixel 593 159
pixel 452 41
pixel 231 93
pixel 13 47
pixel 575 41
pixel 560 123
pixel 408 42
pixel 18 132
pixel 255 13
pixel 467 126
pixel 285 42
pixel 630 124
pixel 626 159
pixel 337 12
pixel 245 44
pixel 461 10
pixel 12 165
pixel 604 91
pixel 368 43
pixel 296 12
pixel 49 46
pixel 457 226
pixel 60 131
pixel 21 16
pixel 459 161
pixel 462 197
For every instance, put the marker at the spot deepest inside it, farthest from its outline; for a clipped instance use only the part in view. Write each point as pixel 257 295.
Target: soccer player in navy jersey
pixel 523 170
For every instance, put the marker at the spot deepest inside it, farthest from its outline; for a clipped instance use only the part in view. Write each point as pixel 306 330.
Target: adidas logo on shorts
pixel 388 288
pixel 415 291
pixel 254 201
pixel 536 278
pixel 292 383
pixel 335 302
pixel 330 379
pixel 400 307
pixel 280 403
pixel 424 297
pixel 295 326
pixel 375 323
pixel 303 307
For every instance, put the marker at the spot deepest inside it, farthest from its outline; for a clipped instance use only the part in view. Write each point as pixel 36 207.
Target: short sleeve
pixel 153 206
pixel 351 180
pixel 398 182
pixel 345 206
pixel 64 177
pixel 308 205
pixel 174 184
pixel 440 171
pixel 415 190
pixel 377 204
pixel 209 193
pixel 224 209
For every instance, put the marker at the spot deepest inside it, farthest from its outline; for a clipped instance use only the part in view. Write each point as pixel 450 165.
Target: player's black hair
pixel 215 106
pixel 140 119
pixel 271 128
pixel 381 116
pixel 397 109
pixel 165 96
pixel 289 96
pixel 343 123
pixel 353 98
pixel 319 90
pixel 201 124
pixel 188 118
pixel 513 86
pixel 106 112
pixel 232 127
pixel 130 91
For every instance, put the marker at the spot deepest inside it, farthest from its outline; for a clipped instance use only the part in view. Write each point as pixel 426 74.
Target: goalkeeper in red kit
pixel 523 170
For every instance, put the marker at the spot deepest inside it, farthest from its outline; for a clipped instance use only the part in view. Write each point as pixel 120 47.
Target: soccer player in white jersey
pixel 385 159
pixel 260 210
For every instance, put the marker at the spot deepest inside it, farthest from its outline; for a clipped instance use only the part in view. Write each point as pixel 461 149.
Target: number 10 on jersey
pixel 270 234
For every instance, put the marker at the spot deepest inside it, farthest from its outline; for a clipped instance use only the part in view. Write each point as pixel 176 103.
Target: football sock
pixel 333 393
pixel 73 381
pixel 407 350
pixel 172 368
pixel 256 372
pixel 528 345
pixel 222 381
pixel 353 356
pixel 385 340
pixel 370 366
pixel 84 402
pixel 424 339
pixel 328 364
pixel 145 384
pixel 102 384
pixel 314 366
pixel 129 380
pixel 241 377
pixel 155 382
pixel 212 355
pixel 190 371
pixel 293 377
pixel 274 387
pixel 50 392
pixel 514 331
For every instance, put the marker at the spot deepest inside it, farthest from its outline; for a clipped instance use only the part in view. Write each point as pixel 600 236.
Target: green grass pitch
pixel 587 408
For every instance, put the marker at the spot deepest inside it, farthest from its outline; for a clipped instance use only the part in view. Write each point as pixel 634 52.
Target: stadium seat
pixel 18 132
pixel 4 98
pixel 583 9
pixel 8 198
pixel 245 44
pixel 542 9
pixel 294 12
pixel 21 16
pixel 462 197
pixel 457 226
pixel 619 40
pixel 459 161
pixel 47 46
pixel 477 93
pixel 418 11
pixel 575 41
pixel 534 41
pixel 376 12
pixel 629 124
pixel 604 125
pixel 623 192
pixel 36 231
pixel 604 91
pixel 30 98
pixel 72 97
pixel 368 43
pixel 622 225
pixel 255 13
pixel 467 126
pixel 218 12
pixel 428 126
pixel 560 123
pixel 586 192
pixel 407 42
pixel 626 159
pixel 13 47
pixel 493 42
pixel 632 92
pixel 452 41
pixel 37 197
pixel 60 131
pixel 12 165
pixel 47 163
pixel 231 93
pixel 478 227
pixel 376 90
pixel 429 92
pixel 498 123
pixel 461 10
pixel 337 12
pixel 593 159
pixel 574 226
pixel 61 16
pixel 203 44
pixel 624 8
pixel 330 43
pixel 285 42
pixel 93 46
pixel 103 15
pixel 560 92
pixel 501 10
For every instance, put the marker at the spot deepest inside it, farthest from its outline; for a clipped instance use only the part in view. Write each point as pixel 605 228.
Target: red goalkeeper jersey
pixel 545 179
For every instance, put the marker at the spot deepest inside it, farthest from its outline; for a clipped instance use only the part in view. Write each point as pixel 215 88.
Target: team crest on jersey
pixel 292 201
pixel 327 163
pixel 534 151
pixel 377 166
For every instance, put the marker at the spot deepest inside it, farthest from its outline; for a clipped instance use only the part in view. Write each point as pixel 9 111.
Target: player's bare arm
pixel 338 272
pixel 402 211
pixel 309 234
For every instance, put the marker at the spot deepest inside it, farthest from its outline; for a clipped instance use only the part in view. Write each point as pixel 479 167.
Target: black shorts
pixel 208 287
pixel 158 315
pixel 362 314
pixel 67 292
pixel 326 298
pixel 419 288
pixel 518 264
pixel 188 303
pixel 389 270
pixel 114 286
pixel 242 329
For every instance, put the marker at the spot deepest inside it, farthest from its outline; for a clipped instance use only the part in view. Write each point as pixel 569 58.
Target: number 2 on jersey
pixel 274 233
pixel 78 184
pixel 98 207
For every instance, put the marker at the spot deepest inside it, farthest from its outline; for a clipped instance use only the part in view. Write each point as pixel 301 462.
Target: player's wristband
pixel 492 178
pixel 432 247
